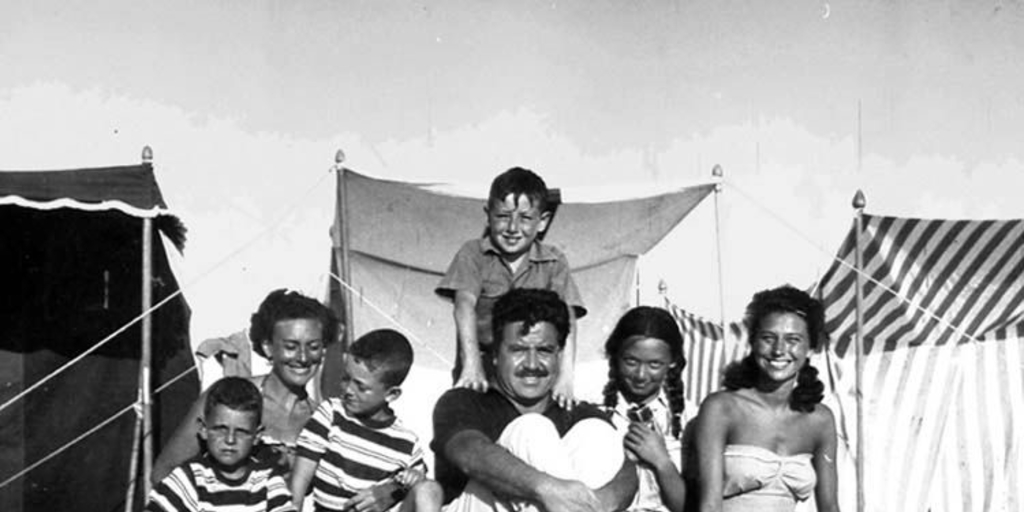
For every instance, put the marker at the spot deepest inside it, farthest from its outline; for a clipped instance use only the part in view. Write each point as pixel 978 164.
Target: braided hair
pixel 648 322
pixel 809 389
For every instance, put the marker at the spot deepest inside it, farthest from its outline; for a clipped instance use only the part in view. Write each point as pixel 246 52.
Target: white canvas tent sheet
pixel 402 236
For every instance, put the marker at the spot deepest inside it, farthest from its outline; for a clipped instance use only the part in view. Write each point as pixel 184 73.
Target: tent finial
pixel 716 171
pixel 339 157
pixel 662 287
pixel 859 202
pixel 147 155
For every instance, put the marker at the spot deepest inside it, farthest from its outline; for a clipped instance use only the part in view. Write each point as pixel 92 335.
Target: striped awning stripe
pixel 942 366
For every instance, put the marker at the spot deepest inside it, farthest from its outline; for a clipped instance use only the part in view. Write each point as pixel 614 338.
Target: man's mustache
pixel 529 372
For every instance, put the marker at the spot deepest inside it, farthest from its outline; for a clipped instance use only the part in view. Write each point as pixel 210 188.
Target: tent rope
pixel 396 323
pixel 88 351
pixel 89 432
pixel 245 246
pixel 931 314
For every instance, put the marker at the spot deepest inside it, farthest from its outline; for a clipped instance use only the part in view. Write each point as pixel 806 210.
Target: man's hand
pixel 375 499
pixel 472 378
pixel 568 496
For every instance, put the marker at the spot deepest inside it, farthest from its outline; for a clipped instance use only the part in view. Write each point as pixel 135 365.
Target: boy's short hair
pixel 519 182
pixel 386 349
pixel 530 306
pixel 235 393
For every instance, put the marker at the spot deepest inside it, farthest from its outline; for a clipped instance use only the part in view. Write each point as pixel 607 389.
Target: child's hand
pixel 378 498
pixel 410 477
pixel 472 378
pixel 646 445
pixel 562 392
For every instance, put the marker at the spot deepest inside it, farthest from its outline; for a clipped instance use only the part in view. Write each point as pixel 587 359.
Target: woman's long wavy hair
pixel 648 322
pixel 784 299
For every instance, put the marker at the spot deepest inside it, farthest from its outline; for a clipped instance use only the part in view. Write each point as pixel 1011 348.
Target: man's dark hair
pixel 530 306
pixel 235 393
pixel 519 182
pixel 289 305
pixel 386 349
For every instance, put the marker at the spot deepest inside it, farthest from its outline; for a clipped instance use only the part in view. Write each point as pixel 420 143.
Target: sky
pixel 920 104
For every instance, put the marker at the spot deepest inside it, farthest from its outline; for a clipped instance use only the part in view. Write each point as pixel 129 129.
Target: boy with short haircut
pixel 354 450
pixel 226 476
pixel 510 255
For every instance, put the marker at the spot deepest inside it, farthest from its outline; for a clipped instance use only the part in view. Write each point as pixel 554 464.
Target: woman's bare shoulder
pixel 721 402
pixel 823 421
pixel 822 413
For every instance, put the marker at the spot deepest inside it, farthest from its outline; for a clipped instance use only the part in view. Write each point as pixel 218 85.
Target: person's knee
pixel 596 451
pixel 428 490
pixel 526 431
pixel 532 423
pixel 593 431
pixel 425 496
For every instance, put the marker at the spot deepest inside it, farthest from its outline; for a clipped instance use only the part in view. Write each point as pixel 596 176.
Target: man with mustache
pixel 514 448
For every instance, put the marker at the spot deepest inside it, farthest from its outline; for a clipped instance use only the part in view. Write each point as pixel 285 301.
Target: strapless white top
pixel 760 480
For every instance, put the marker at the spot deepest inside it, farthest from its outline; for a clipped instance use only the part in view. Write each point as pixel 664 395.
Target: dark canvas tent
pixel 401 237
pixel 70 268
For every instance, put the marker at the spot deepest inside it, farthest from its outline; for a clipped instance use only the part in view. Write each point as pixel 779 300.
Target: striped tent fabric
pixel 707 350
pixel 943 394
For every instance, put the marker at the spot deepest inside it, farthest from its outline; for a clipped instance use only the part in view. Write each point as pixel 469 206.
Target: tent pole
pixel 133 465
pixel 343 235
pixel 147 344
pixel 858 204
pixel 716 173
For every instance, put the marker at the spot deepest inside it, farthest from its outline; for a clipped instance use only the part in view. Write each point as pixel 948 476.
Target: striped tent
pixel 943 337
pixel 708 349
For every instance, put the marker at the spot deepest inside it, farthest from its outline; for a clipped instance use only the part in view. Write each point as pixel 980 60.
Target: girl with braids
pixel 766 441
pixel 644 395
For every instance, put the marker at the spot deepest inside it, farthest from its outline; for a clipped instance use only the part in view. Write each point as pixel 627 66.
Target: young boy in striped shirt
pixel 226 477
pixel 354 451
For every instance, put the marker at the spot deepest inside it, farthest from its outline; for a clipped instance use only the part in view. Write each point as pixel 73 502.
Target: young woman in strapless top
pixel 767 441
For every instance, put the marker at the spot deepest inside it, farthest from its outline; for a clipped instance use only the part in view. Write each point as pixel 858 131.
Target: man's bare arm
pixel 507 475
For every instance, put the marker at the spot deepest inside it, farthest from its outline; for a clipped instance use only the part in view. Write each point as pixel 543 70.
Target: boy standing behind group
pixel 354 451
pixel 226 477
pixel 510 255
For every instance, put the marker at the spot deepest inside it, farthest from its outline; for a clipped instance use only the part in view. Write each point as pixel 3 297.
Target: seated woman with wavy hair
pixel 767 441
pixel 293 332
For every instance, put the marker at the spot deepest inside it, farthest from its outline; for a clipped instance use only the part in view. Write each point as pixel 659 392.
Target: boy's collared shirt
pixel 197 486
pixel 353 455
pixel 479 268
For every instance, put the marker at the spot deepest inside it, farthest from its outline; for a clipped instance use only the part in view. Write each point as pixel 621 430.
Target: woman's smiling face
pixel 296 350
pixel 781 346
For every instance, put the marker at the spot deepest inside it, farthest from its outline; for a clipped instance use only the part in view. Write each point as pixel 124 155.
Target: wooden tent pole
pixel 145 363
pixel 343 235
pixel 716 174
pixel 858 204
